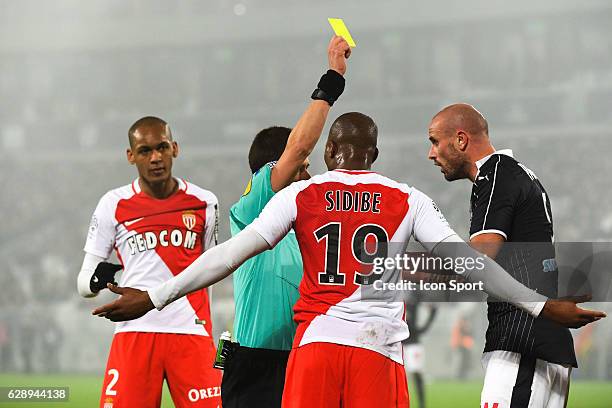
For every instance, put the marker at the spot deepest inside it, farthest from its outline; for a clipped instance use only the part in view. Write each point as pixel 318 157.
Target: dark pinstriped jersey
pixel 508 199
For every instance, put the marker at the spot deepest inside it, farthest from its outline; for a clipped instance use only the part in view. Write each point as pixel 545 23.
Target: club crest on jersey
pixel 189 219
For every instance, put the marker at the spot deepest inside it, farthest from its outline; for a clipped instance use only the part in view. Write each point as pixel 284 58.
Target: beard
pixel 457 167
pixel 452 174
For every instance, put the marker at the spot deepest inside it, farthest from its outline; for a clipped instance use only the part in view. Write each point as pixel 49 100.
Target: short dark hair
pixel 268 145
pixel 147 121
pixel 356 129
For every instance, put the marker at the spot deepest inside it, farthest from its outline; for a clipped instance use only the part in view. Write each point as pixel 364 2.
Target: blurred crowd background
pixel 75 75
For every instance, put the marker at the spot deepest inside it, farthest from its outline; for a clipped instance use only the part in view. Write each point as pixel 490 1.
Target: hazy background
pixel 75 75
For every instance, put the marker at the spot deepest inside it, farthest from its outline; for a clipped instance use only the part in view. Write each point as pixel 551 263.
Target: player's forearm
pixel 211 267
pixel 301 142
pixel 497 282
pixel 90 262
pixel 307 130
pixel 306 133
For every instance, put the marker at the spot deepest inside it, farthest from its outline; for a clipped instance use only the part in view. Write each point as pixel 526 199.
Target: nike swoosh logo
pixel 95 279
pixel 128 223
pixel 483 177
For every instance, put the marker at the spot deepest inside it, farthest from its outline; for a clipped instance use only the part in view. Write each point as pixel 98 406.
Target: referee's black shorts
pixel 254 378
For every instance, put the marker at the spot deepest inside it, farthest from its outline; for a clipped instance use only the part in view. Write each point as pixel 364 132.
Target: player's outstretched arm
pixel 95 274
pixel 212 266
pixel 499 284
pixel 307 131
pixel 433 231
pixel 563 311
pixel 496 281
pixel 566 312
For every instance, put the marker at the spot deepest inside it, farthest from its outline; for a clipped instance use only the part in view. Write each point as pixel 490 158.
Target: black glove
pixel 104 273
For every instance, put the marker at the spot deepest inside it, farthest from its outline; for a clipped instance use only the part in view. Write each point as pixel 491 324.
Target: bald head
pixel 459 136
pixel 351 143
pixel 464 117
pixel 355 129
pixel 148 122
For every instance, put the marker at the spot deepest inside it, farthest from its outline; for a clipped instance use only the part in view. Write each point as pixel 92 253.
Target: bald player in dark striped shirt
pixel 528 360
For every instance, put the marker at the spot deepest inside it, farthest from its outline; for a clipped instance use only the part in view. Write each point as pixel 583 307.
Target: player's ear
pixel 462 140
pixel 331 149
pixel 175 149
pixel 130 156
pixel 375 154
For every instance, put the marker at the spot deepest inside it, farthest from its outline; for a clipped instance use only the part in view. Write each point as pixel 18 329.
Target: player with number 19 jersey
pixel 335 216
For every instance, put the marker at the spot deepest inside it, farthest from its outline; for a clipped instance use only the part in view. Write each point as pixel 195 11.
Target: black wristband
pixel 319 94
pixel 330 87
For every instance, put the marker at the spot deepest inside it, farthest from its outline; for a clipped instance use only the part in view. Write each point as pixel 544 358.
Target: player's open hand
pixel 132 304
pixel 565 312
pixel 337 53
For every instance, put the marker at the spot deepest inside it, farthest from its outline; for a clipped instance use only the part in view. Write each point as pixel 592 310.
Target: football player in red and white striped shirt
pixel 347 350
pixel 157 225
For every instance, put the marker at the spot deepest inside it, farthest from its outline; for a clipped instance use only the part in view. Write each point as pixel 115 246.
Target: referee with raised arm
pixel 527 360
pixel 266 286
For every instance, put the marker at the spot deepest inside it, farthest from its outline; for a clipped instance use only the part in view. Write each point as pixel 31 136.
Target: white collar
pixel 182 185
pixel 507 152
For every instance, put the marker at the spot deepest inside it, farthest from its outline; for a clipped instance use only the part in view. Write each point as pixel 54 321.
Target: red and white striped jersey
pixel 155 240
pixel 335 215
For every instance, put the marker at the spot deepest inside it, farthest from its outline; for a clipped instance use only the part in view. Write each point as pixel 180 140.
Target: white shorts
pixel 516 381
pixel 414 357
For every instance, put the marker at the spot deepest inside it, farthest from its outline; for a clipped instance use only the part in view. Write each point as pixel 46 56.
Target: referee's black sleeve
pixel 495 195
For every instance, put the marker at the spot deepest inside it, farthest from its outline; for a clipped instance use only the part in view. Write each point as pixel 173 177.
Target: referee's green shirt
pixel 266 286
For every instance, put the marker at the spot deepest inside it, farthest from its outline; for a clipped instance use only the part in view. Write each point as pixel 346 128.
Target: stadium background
pixel 74 75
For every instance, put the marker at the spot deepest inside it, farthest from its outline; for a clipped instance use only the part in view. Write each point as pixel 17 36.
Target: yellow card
pixel 341 30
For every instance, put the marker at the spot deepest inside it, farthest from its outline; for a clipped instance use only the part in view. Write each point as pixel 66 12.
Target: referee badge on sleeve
pixel 247 190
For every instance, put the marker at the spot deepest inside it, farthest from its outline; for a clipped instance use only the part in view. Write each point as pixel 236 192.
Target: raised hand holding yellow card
pixel 341 30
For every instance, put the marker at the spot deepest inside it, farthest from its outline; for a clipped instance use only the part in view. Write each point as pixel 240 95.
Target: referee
pixel 527 360
pixel 266 286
